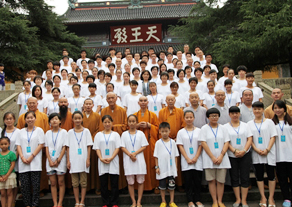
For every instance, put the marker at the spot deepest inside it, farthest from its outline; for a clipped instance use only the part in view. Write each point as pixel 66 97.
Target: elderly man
pixel 222 107
pixel 246 113
pixel 199 111
pixel 277 94
pixel 42 122
pixel 148 123
pixel 175 117
pixel 119 116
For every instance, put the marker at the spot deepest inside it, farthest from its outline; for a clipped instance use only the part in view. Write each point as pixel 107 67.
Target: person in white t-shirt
pixel 242 70
pixel 97 100
pixel 78 156
pixel 209 97
pixel 283 123
pixel 23 97
pixel 155 77
pixel 125 87
pixel 208 58
pixel 165 154
pixel 182 82
pixel 168 62
pixel 65 63
pixel 180 101
pixel 42 102
pixel 56 165
pixel 225 68
pixel 29 145
pixel 131 100
pixel 155 101
pixel 107 144
pixel 235 83
pixel 257 92
pixel 83 57
pixel 65 53
pixel 264 151
pixel 75 102
pixel 133 143
pixel 164 87
pixel 191 159
pixel 215 141
pixel 232 97
pixel 239 155
pixel 202 84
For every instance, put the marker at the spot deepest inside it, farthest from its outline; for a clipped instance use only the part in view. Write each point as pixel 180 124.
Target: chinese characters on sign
pixel 150 33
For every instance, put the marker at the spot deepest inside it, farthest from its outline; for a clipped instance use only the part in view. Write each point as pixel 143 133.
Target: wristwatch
pixel 156 167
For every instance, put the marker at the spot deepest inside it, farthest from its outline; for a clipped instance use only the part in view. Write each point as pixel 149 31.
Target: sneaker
pixel 115 206
pixel 163 204
pixel 286 203
pixel 172 204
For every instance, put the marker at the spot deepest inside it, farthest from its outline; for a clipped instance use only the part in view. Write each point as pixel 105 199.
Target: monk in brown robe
pixel 42 122
pixel 91 122
pixel 119 116
pixel 148 123
pixel 175 117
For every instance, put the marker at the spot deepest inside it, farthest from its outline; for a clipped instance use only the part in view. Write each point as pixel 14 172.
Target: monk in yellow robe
pixel 42 122
pixel 119 116
pixel 91 121
pixel 175 117
pixel 148 123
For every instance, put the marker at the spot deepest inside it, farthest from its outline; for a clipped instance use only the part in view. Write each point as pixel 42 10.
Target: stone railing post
pixel 258 76
pixel 18 86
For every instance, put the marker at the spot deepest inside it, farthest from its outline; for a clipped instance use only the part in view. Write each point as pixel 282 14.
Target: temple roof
pixel 109 14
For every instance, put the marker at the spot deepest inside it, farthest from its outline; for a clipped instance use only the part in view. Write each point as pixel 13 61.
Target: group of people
pixel 127 119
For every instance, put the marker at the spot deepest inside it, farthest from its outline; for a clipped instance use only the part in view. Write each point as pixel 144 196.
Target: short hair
pixel 83 61
pixel 199 69
pixel 100 72
pixel 64 70
pixel 56 63
pixel 234 109
pixel 134 69
pixel 49 82
pixel 164 74
pixel 226 66
pixel 90 76
pixel 249 75
pixel 107 117
pixel 197 62
pixel 111 64
pixel 206 66
pixel 92 85
pixel 37 77
pixel 143 62
pixel 189 111
pixel 133 82
pixel 164 125
pixel 52 115
pixel 228 82
pixel 208 55
pixel 247 90
pixel 146 71
pixel 132 115
pixel 65 56
pixel 77 112
pixel 56 88
pixel 188 67
pixel 241 67
pixel 110 84
pixel 171 71
pixel 112 49
pixel 193 79
pixel 173 84
pixel 57 76
pixel 212 111
pixel 91 61
pixel 212 71
pixel 76 84
pixel 153 67
pixel 108 75
pixel 258 104
pixel 179 71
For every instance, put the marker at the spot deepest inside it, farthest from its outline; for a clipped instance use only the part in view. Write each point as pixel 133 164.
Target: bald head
pixel 277 94
pixel 194 99
pixel 170 100
pixel 63 102
pixel 32 104
pixel 220 97
pixel 111 99
pixel 143 102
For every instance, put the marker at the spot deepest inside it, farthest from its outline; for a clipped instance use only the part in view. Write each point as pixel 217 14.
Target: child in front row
pixel 78 156
pixel 166 153
pixel 133 144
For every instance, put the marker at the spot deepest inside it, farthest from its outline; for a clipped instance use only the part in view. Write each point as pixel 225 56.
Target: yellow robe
pixel 152 136
pixel 92 123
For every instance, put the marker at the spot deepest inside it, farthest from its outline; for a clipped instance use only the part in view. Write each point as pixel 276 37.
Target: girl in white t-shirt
pixel 155 101
pixel 232 97
pixel 164 87
pixel 76 102
pixel 78 156
pixel 42 102
pixel 182 82
pixel 283 124
pixel 155 76
pixel 191 159
pixel 29 143
pixel 53 106
pixel 23 97
pixel 48 94
pixel 143 88
pixel 215 141
pixel 264 151
pixel 55 143
pixel 107 145
pixel 209 97
pixel 125 88
pixel 131 99
pixel 133 143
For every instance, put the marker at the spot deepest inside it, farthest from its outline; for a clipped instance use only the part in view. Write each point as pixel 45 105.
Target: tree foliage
pixel 255 33
pixel 34 36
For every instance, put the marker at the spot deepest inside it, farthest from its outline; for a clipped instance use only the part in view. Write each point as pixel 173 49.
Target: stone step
pixel 154 199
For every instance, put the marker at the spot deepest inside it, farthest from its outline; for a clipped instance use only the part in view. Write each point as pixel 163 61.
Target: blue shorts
pixel 55 172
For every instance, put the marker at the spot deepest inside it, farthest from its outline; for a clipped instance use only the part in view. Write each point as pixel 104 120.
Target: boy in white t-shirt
pixel 166 153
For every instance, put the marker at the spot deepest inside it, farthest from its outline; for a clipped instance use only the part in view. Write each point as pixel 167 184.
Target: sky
pixel 61 6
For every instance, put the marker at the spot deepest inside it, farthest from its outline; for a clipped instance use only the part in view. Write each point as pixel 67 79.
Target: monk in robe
pixel 175 117
pixel 42 122
pixel 67 124
pixel 119 116
pixel 91 121
pixel 148 123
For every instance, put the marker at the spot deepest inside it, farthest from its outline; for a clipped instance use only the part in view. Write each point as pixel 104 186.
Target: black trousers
pixel 240 168
pixel 28 180
pixel 109 200
pixel 260 170
pixel 193 179
pixel 284 171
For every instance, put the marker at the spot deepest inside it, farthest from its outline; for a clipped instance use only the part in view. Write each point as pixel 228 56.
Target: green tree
pixel 255 33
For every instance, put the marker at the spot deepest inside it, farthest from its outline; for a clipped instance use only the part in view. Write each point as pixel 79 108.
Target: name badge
pixel 216 145
pixel 170 161
pixel 25 107
pixel 76 109
pixel 238 141
pixel 107 152
pixel 283 138
pixel 79 151
pixel 191 150
pixel 53 153
pixel 213 104
pixel 260 139
pixel 155 108
pixel 132 151
pixel 28 149
pixel 9 148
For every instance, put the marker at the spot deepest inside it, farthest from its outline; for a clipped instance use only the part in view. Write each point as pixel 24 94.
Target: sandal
pixel 262 204
pixel 77 204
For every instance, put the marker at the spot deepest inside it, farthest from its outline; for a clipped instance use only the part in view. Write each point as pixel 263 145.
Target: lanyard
pixel 259 129
pixel 54 142
pixel 11 134
pixel 133 144
pixel 190 137
pixel 282 128
pixel 213 99
pixel 76 102
pixel 229 99
pixel 214 132
pixel 169 151
pixel 106 141
pixel 55 105
pixel 154 100
pixel 29 137
pixel 237 132
pixel 25 99
pixel 80 137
